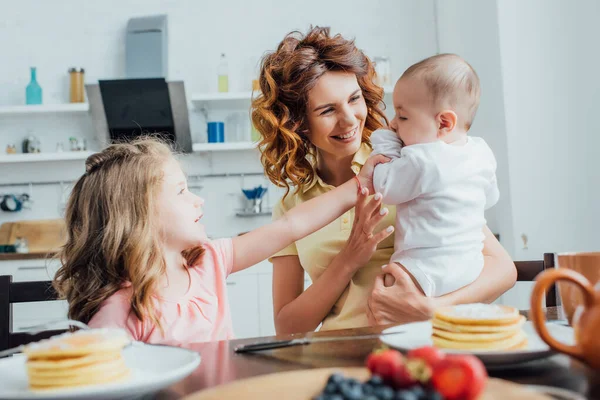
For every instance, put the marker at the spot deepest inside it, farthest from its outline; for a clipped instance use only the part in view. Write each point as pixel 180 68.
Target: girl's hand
pixel 400 303
pixel 366 173
pixel 363 242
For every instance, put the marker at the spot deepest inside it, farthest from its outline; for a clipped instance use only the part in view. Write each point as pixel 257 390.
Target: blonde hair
pixel 450 79
pixel 279 113
pixel 112 231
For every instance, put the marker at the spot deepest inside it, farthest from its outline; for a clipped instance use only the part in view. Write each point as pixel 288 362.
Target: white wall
pixel 551 88
pixel 539 89
pixel 550 71
pixel 57 35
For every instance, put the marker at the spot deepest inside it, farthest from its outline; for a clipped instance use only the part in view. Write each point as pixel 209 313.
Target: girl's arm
pixel 296 310
pixel 302 220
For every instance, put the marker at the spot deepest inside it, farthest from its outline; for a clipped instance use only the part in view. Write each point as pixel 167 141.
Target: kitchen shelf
pixel 233 146
pixel 222 100
pixel 250 214
pixel 45 109
pixel 39 157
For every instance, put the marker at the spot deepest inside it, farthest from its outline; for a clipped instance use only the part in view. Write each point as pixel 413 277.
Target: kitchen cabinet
pixel 242 290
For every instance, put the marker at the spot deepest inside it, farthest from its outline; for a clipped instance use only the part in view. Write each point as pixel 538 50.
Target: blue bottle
pixel 33 93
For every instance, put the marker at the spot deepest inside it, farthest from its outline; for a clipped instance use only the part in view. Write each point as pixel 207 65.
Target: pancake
pixel 474 337
pixel 516 341
pixel 79 343
pixel 448 326
pixel 478 314
pixel 481 327
pixel 84 357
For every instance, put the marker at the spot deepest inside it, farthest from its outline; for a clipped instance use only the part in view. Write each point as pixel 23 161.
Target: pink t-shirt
pixel 200 315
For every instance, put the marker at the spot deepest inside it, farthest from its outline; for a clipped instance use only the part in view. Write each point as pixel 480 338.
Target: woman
pixel 317 111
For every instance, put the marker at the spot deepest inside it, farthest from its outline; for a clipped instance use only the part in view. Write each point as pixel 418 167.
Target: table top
pixel 221 365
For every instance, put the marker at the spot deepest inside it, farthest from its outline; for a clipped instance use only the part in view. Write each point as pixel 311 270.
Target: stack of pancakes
pixel 85 357
pixel 478 327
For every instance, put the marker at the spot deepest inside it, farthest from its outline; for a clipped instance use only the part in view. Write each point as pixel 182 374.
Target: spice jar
pixel 77 79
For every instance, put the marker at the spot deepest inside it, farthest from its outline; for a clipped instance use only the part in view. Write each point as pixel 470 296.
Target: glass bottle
pixel 223 72
pixel 33 92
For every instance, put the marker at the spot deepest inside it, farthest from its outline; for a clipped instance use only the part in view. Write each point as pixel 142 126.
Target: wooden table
pixel 221 365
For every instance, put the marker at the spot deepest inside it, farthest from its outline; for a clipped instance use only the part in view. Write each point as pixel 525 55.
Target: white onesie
pixel 440 192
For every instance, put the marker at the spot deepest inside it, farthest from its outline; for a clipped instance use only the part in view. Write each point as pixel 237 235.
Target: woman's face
pixel 336 114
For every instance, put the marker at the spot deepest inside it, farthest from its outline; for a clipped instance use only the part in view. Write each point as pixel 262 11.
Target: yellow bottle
pixel 222 71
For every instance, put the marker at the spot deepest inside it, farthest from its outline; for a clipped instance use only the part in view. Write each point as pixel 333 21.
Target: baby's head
pixel 124 214
pixel 435 99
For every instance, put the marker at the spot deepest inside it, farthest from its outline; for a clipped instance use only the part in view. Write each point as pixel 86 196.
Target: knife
pixel 277 344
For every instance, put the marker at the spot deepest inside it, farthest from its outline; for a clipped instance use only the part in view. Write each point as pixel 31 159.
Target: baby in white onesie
pixel 440 179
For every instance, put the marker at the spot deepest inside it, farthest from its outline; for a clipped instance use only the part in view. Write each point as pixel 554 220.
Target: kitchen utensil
pixel 259 346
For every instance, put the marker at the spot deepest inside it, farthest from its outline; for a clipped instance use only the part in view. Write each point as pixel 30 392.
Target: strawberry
pixel 405 376
pixel 459 377
pixel 431 355
pixel 385 363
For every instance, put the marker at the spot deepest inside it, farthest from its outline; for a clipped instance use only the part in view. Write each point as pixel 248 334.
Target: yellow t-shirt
pixel 317 250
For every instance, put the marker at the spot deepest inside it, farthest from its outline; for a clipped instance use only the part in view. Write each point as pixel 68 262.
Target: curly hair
pixel 112 231
pixel 279 112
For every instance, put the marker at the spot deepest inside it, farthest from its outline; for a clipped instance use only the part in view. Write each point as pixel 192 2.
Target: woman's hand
pixel 366 172
pixel 363 242
pixel 399 303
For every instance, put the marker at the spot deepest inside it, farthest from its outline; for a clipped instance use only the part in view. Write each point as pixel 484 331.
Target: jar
pixel 383 71
pixel 76 85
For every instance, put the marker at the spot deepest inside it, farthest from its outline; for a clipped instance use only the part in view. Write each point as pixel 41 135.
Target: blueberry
pixel 330 388
pixel 371 397
pixel 336 378
pixel 352 392
pixel 336 397
pixel 384 392
pixel 353 382
pixel 367 388
pixel 320 397
pixel 375 380
pixel 433 394
pixel 406 395
pixel 419 392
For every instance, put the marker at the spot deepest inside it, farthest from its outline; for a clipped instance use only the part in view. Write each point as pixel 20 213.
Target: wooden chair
pixel 528 270
pixel 21 292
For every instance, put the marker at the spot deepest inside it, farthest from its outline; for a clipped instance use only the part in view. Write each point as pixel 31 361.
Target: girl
pixel 138 258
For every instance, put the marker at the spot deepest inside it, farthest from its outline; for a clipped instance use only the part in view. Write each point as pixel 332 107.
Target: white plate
pixel 153 368
pixel 418 334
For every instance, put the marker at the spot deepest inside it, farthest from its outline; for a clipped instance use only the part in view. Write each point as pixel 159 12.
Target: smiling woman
pixel 317 110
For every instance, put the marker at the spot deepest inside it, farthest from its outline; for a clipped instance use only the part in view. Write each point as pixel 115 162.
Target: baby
pixel 440 179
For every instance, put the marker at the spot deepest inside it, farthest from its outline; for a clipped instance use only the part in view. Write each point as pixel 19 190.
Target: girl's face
pixel 179 211
pixel 336 114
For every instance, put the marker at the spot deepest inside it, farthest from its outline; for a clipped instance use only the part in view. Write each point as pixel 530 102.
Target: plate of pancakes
pixel 93 364
pixel 499 335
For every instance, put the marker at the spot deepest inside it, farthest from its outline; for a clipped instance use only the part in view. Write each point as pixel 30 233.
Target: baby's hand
pixel 366 173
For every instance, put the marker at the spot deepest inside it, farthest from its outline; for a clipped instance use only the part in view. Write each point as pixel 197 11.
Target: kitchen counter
pixel 25 256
